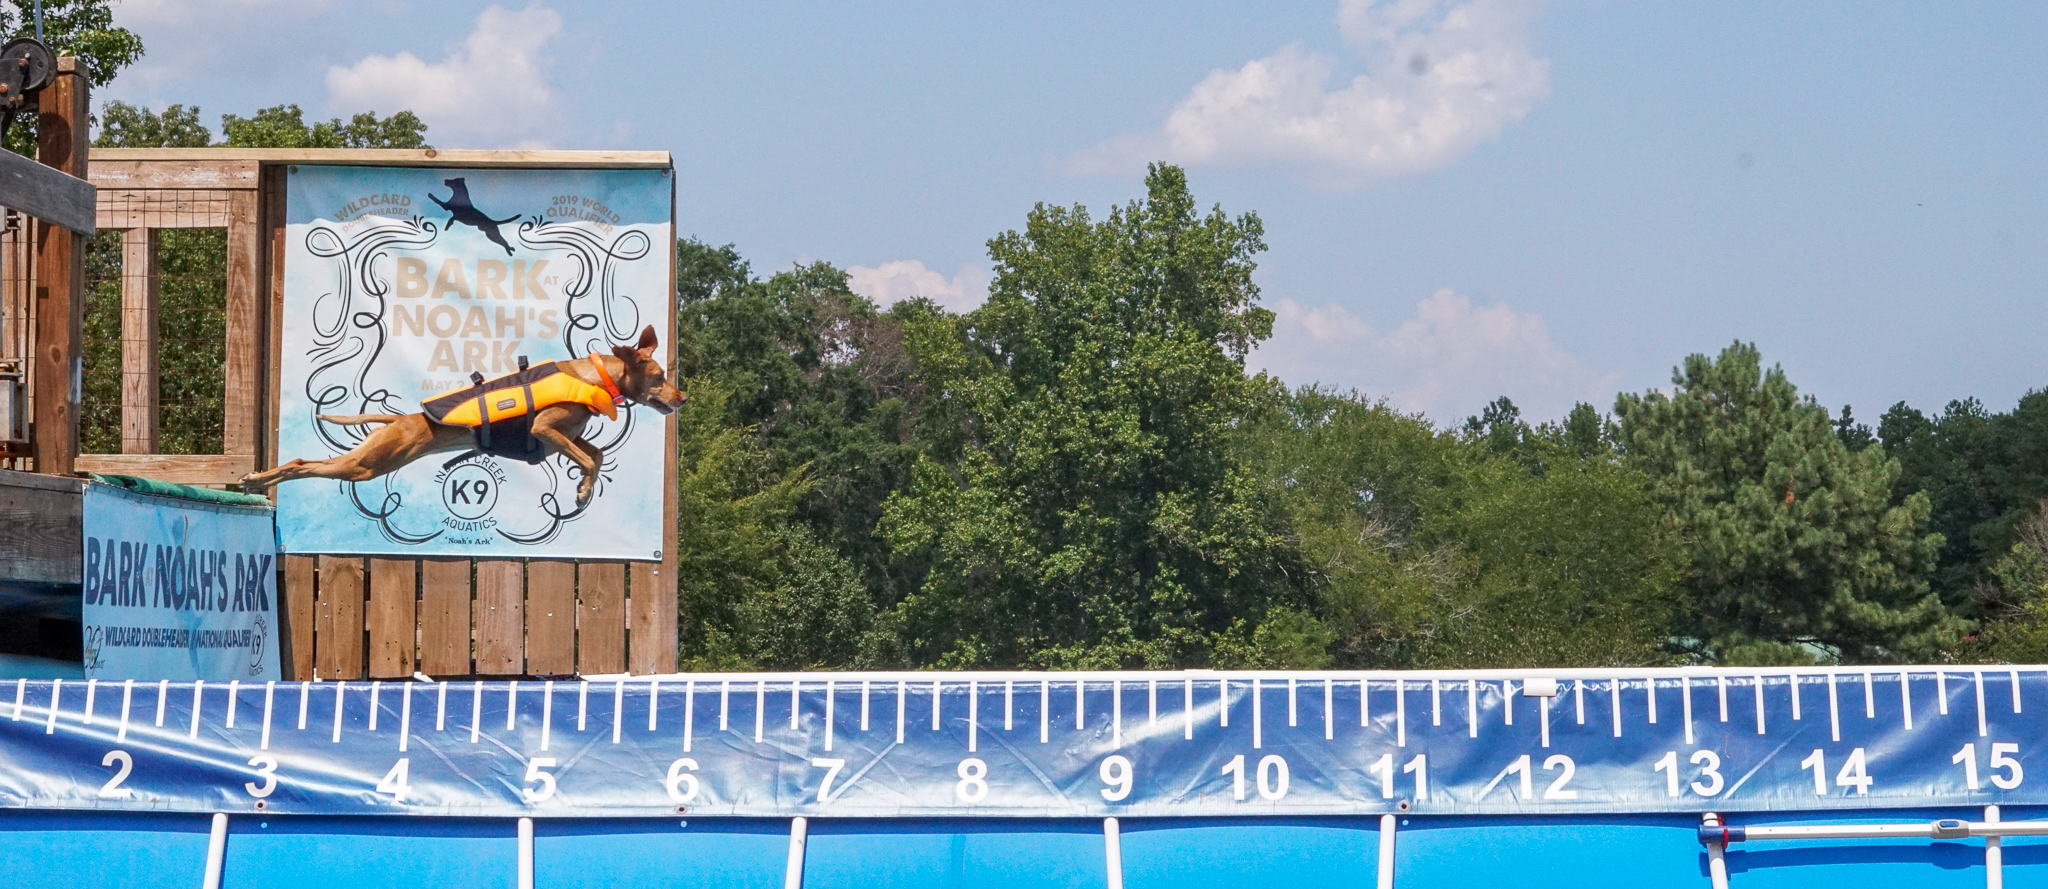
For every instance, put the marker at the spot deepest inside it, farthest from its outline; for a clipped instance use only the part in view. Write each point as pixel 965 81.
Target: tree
pixel 1091 512
pixel 1983 472
pixel 284 126
pixel 1796 551
pixel 127 126
pixel 1434 549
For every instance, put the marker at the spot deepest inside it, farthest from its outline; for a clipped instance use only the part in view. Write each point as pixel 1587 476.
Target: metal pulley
pixel 26 66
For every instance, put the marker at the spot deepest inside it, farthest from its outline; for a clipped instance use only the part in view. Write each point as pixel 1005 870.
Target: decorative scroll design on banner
pixel 351 327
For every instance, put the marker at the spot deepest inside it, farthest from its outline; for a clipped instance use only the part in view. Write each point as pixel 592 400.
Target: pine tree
pixel 1797 555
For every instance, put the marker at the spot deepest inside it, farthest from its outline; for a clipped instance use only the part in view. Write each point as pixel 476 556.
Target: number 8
pixel 972 788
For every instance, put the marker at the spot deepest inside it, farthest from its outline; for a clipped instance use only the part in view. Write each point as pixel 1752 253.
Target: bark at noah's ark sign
pixel 404 284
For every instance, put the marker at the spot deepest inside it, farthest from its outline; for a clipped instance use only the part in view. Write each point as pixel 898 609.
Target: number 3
pixel 266 768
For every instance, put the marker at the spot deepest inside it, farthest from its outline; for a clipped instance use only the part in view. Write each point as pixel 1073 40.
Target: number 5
pixel 534 773
pixel 1999 760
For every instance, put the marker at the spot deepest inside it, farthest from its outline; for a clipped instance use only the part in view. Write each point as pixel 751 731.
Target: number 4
pixel 394 780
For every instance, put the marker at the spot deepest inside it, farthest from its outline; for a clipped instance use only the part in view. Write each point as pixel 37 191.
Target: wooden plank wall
pixel 381 618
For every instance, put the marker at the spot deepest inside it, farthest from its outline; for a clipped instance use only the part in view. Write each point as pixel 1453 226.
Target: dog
pixel 403 438
pixel 461 211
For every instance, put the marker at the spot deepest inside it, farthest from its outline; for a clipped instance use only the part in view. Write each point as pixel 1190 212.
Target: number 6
pixel 678 777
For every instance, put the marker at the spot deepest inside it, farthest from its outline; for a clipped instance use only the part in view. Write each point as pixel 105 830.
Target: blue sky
pixel 1464 198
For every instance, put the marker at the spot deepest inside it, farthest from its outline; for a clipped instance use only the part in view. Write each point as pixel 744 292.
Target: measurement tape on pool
pixel 1034 745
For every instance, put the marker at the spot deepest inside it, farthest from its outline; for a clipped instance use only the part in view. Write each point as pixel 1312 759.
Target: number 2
pixel 113 789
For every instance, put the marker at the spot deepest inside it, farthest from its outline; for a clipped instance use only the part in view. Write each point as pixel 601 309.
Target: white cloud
pixel 492 89
pixel 1446 361
pixel 1438 77
pixel 905 278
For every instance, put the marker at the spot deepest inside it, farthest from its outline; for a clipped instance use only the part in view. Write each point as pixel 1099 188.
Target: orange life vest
pixel 500 411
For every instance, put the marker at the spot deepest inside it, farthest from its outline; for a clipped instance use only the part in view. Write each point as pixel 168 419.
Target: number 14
pixel 1853 774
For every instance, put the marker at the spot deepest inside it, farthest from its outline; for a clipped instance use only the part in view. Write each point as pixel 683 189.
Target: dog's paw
pixel 584 493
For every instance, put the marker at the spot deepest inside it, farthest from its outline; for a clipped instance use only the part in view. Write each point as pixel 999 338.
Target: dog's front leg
pixel 560 428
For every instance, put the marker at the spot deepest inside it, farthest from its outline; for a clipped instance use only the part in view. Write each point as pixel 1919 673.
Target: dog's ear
pixel 647 339
pixel 629 355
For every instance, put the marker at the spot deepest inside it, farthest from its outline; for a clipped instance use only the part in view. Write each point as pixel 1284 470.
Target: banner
pixel 1022 745
pixel 402 282
pixel 178 589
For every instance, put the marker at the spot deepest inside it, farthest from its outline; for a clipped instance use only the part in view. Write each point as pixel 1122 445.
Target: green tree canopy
pixel 1796 550
pixel 284 126
pixel 1091 512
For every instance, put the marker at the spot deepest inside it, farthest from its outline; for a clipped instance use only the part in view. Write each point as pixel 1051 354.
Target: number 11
pixel 1419 766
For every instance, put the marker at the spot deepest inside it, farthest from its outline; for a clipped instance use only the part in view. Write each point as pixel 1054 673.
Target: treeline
pixel 1082 474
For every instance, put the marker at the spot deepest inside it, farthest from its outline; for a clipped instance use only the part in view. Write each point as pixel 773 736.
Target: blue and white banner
pixel 178 589
pixel 400 282
pixel 1038 745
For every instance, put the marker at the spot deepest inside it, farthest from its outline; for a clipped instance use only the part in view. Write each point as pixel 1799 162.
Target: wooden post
pixel 500 617
pixel 246 331
pixel 393 590
pixel 550 617
pixel 601 617
pixel 339 630
pixel 138 341
pixel 444 617
pixel 60 277
pixel 299 615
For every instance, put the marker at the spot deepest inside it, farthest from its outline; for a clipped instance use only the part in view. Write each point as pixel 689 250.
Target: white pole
pixel 526 853
pixel 793 873
pixel 1994 854
pixel 1717 864
pixel 216 851
pixel 1387 825
pixel 1113 853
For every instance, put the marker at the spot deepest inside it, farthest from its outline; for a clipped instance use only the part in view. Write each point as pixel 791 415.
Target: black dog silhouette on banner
pixel 462 211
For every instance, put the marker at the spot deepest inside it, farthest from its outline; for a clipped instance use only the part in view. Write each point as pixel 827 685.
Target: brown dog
pixel 405 438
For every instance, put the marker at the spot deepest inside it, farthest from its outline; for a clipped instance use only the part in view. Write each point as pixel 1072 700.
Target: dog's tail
pixel 360 419
pixel 512 218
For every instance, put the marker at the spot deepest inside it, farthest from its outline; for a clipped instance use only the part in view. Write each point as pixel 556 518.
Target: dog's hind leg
pixel 383 450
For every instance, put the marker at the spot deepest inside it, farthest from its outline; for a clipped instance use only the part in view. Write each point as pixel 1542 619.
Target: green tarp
pixel 187 492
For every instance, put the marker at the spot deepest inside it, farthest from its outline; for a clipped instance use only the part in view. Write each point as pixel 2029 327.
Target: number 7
pixel 832 766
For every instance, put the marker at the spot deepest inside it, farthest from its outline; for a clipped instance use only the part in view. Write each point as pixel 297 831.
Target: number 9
pixel 1116 772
